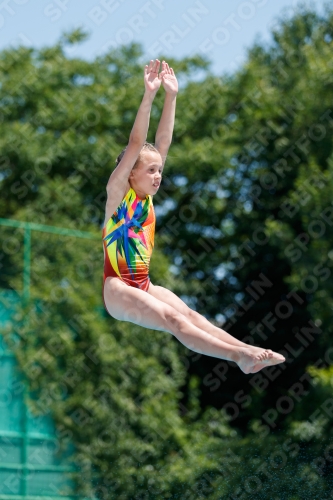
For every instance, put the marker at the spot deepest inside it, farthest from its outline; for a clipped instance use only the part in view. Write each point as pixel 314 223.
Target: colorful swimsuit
pixel 128 240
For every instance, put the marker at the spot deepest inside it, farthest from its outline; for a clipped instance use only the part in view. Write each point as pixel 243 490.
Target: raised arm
pixel 164 131
pixel 152 80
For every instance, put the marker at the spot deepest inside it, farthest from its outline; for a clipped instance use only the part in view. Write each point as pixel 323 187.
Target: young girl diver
pixel 128 240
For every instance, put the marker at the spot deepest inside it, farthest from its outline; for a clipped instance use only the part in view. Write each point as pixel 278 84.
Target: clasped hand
pixel 153 79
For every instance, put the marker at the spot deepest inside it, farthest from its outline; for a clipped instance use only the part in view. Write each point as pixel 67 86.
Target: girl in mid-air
pixel 128 240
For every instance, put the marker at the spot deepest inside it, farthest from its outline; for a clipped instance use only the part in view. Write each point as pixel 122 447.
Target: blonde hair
pixel 146 147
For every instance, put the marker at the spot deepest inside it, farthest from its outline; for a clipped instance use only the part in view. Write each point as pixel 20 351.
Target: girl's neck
pixel 139 194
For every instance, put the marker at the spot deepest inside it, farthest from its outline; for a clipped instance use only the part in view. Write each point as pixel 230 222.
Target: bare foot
pixel 253 359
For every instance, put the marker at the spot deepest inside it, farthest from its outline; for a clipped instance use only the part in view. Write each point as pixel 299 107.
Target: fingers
pixel 167 70
pixel 156 66
pixel 162 73
pixel 153 66
pixel 150 66
pixel 170 71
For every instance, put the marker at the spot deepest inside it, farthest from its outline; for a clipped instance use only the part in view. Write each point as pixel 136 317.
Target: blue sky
pixel 222 30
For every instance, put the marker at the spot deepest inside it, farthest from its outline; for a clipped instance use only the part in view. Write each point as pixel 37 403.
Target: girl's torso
pixel 128 239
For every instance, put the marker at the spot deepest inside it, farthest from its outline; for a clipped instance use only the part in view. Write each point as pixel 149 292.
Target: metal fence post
pixel 26 264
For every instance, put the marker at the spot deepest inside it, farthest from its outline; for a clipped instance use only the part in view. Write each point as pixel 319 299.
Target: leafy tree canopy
pixel 243 234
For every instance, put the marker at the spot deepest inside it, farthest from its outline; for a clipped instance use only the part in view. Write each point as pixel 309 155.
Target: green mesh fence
pixel 30 467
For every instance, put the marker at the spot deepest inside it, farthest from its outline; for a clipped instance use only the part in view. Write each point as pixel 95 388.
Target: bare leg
pixel 131 304
pixel 201 322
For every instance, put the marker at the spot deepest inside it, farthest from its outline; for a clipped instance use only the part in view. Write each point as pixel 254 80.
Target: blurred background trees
pixel 244 236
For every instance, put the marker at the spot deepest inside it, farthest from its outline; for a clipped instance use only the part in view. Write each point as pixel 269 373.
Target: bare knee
pixel 174 319
pixel 192 315
pixel 197 319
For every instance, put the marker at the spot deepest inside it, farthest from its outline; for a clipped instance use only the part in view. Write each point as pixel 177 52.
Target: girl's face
pixel 146 177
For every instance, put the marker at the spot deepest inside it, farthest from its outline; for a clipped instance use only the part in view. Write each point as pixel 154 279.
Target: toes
pixel 265 355
pixel 261 356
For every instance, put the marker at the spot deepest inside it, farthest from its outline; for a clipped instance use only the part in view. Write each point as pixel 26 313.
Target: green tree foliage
pixel 243 233
pixel 261 211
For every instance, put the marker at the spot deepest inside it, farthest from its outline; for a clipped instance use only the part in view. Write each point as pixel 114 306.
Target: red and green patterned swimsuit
pixel 128 239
